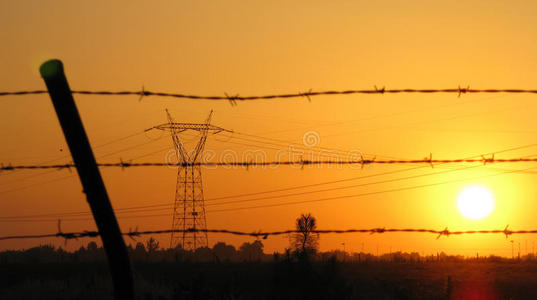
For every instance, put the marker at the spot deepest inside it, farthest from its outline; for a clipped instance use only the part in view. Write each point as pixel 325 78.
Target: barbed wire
pixel 428 160
pixel 21 93
pixel 265 234
pixel 307 94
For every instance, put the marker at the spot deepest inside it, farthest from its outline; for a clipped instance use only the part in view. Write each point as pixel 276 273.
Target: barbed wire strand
pixel 121 216
pixel 168 205
pixel 261 234
pixel 303 162
pixel 307 94
pixel 268 191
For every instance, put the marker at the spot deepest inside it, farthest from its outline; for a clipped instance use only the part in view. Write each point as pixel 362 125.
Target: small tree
pixel 305 242
pixel 152 245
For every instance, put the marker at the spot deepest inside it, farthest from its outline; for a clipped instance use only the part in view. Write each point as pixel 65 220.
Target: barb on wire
pixel 488 160
pixel 307 94
pixel 131 234
pixel 443 232
pixel 123 164
pixel 301 162
pixel 430 160
pixel 142 94
pixel 6 168
pixel 380 91
pixel 265 234
pixel 232 99
pixel 463 91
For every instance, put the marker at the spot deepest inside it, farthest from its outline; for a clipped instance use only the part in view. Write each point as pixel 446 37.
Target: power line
pixel 286 142
pixel 137 157
pixel 306 94
pixel 265 234
pixel 389 115
pixel 102 145
pixel 362 161
pixel 41 183
pixel 8 219
pixel 69 156
pixel 289 188
pixel 65 177
pixel 339 188
pixel 354 178
pixel 125 209
pixel 365 194
pixel 322 152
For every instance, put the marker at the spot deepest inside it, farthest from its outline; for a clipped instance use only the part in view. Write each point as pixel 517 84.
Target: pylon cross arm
pixel 190 126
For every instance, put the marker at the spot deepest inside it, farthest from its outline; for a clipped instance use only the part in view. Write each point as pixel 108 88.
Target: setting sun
pixel 475 202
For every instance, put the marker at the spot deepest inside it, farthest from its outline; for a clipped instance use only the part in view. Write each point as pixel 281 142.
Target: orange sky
pixel 239 47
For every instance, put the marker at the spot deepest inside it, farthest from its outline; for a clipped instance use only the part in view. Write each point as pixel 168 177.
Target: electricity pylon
pixel 189 208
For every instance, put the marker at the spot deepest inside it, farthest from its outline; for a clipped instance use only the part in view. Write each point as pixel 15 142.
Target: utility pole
pixel 189 207
pixel 90 177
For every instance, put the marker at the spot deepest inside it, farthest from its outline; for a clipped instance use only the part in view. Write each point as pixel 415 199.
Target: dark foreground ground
pixel 279 280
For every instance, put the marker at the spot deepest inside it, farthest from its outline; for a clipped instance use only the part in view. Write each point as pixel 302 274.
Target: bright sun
pixel 475 202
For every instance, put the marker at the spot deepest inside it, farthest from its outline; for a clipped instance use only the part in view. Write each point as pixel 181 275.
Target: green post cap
pixel 51 68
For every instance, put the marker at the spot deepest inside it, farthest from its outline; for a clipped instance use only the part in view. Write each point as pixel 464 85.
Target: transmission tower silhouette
pixel 189 207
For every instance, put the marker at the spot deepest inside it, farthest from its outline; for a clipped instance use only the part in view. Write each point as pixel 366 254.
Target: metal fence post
pixel 90 177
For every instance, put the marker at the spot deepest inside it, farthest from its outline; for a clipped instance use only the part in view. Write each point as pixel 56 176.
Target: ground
pixel 469 279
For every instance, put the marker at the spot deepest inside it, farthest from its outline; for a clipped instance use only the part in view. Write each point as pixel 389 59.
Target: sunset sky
pixel 266 47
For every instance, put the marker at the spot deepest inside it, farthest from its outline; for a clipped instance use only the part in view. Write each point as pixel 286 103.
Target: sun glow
pixel 475 202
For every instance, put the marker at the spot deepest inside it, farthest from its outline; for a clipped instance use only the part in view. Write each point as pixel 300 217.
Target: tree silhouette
pixel 251 251
pixel 305 242
pixel 224 252
pixel 152 245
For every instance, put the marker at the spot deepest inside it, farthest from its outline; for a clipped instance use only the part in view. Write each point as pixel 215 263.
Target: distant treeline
pixel 220 252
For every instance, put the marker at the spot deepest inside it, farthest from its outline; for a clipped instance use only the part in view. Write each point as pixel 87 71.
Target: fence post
pixel 90 177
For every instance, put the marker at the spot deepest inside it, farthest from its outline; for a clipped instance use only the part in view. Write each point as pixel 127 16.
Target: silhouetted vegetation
pixel 246 272
pixel 305 242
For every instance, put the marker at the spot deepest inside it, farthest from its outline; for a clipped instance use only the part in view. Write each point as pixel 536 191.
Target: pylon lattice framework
pixel 189 207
